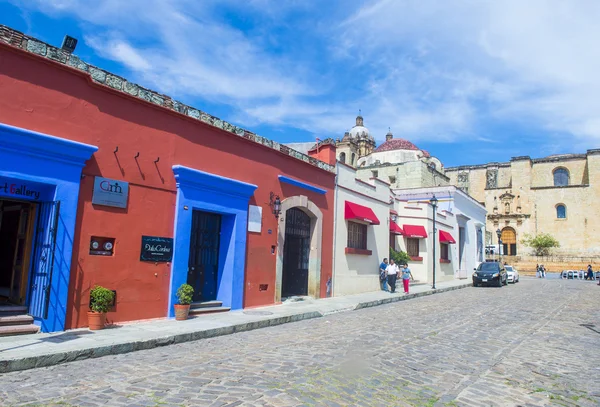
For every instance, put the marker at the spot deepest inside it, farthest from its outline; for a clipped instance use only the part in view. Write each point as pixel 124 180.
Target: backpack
pixel 382 276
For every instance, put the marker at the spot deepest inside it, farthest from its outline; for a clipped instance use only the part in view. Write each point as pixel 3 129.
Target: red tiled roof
pixel 426 153
pixel 396 144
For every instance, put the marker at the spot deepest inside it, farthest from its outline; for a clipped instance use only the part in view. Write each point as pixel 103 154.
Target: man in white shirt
pixel 392 274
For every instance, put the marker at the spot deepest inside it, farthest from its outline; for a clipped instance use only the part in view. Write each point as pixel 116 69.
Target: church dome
pixel 396 144
pixel 359 130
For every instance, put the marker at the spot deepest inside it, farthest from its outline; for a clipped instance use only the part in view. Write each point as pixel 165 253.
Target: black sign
pixel 156 248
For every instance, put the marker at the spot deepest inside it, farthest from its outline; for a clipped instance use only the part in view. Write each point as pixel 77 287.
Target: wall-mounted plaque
pixel 156 248
pixel 110 192
pixel 254 218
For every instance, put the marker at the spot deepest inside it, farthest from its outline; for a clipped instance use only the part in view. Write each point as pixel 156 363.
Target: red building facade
pixel 188 176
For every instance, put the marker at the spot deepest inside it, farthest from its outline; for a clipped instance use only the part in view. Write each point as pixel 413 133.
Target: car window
pixel 508 268
pixel 488 267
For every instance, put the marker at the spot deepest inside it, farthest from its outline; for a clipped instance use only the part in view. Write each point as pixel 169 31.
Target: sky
pixel 471 81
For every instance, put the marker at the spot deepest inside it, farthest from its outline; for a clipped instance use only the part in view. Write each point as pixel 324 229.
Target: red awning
pixel 414 231
pixel 446 237
pixel 359 212
pixel 395 229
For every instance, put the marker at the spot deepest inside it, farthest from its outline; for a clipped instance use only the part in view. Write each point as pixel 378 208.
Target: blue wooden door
pixel 43 258
pixel 203 268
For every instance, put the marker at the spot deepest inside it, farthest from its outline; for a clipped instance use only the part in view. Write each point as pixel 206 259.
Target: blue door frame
pixel 199 190
pixel 51 166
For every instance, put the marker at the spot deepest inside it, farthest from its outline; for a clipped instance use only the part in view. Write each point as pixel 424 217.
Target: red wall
pixel 44 96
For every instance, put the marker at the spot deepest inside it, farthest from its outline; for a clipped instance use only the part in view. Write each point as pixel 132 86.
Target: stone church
pixel 555 195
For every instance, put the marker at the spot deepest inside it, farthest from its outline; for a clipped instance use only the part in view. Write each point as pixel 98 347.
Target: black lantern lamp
pixel 434 203
pixel 499 234
pixel 275 204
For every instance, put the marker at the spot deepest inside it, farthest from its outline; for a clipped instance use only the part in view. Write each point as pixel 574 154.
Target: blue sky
pixel 471 81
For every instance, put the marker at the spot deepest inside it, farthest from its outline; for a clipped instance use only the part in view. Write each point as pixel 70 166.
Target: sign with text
pixel 156 249
pixel 109 192
pixel 20 189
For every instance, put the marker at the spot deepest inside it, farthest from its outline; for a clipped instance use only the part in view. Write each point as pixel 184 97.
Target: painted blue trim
pixel 53 165
pixel 199 190
pixel 295 182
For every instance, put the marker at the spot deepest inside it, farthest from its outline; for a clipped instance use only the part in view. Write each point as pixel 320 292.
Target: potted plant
pixel 100 301
pixel 184 298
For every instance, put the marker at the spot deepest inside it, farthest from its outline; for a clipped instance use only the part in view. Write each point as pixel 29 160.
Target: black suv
pixel 491 274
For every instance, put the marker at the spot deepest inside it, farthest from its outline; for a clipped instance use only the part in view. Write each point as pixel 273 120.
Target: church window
pixel 392 180
pixel 561 177
pixel 343 157
pixel 353 158
pixel 375 174
pixel 561 211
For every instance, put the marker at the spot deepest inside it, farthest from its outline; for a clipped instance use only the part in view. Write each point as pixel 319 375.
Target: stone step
pixel 19 330
pixel 16 320
pixel 208 310
pixel 6 310
pixel 206 304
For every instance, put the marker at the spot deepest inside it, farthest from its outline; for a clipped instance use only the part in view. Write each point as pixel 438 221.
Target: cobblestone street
pixel 535 343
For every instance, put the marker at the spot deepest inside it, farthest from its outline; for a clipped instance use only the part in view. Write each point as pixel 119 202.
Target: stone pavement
pixel 534 343
pixel 39 350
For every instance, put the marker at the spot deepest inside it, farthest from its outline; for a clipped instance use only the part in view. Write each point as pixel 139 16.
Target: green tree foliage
pixel 541 244
pixel 399 257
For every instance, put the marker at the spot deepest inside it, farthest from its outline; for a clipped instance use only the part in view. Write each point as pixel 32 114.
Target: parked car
pixel 490 274
pixel 512 274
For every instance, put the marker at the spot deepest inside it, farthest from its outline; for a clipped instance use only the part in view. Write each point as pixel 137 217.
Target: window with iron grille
pixel 444 251
pixel 412 247
pixel 357 235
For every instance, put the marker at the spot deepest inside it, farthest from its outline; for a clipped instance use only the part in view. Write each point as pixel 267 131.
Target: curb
pixel 390 300
pixel 26 363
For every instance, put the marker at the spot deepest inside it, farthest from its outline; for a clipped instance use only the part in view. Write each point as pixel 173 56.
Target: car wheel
pixel 500 282
pixel 506 281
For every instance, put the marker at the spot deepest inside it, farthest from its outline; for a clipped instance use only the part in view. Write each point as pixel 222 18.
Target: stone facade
pixel 554 195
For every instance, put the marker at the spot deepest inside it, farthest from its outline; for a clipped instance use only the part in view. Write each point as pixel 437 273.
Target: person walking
pixel 383 275
pixel 406 275
pixel 590 273
pixel 537 270
pixel 392 274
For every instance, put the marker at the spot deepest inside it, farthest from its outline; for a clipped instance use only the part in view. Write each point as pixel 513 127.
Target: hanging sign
pixel 109 192
pixel 156 249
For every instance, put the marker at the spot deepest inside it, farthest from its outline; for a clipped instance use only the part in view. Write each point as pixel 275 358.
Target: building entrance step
pixel 206 304
pixel 208 310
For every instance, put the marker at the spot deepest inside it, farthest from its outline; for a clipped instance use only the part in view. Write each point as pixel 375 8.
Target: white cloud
pixel 431 70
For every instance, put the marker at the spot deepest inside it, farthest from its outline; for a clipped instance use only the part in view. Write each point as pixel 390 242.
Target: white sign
pixel 110 192
pixel 254 218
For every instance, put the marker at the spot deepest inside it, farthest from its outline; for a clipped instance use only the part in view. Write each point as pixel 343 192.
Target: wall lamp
pixel 275 204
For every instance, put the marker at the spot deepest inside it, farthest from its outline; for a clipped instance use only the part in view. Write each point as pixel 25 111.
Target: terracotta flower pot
pixel 182 312
pixel 96 320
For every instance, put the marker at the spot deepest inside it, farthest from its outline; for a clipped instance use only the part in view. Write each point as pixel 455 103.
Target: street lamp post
pixel 499 234
pixel 434 203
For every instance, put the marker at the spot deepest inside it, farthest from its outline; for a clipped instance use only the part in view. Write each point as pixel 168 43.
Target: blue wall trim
pixel 53 166
pixel 199 190
pixel 301 184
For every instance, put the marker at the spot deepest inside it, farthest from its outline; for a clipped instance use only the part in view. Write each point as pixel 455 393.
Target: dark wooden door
pixel 296 252
pixel 203 267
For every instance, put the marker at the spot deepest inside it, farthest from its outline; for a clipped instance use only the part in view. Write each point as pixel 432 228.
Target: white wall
pixel 455 210
pixel 356 273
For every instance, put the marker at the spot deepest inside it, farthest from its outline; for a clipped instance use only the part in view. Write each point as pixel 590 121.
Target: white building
pixel 460 223
pixel 362 231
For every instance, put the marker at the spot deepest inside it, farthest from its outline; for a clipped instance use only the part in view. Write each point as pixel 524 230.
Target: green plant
pixel 185 292
pixel 541 244
pixel 101 299
pixel 399 257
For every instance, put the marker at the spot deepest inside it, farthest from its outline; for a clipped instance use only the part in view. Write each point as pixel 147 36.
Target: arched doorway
pixel 509 241
pixel 308 208
pixel 296 252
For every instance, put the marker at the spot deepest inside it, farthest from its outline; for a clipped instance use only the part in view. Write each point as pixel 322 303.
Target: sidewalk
pixel 40 350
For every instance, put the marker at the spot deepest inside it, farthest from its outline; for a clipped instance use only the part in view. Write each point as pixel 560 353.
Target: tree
pixel 399 257
pixel 541 244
